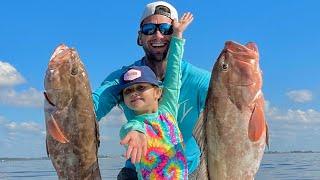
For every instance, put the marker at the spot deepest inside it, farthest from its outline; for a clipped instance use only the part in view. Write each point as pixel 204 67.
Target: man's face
pixel 155 45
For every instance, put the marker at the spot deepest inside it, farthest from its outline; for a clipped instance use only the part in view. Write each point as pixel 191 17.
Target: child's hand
pixel 180 26
pixel 137 145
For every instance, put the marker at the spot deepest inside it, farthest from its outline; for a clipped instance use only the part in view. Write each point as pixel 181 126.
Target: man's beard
pixel 153 57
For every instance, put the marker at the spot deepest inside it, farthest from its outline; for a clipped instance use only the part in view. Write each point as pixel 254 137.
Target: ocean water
pixel 290 166
pixel 286 166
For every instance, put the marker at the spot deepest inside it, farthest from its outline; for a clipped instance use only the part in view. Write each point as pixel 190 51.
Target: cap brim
pixel 120 88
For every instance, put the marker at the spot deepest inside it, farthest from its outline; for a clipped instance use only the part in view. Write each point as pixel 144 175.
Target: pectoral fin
pixel 257 124
pixel 55 131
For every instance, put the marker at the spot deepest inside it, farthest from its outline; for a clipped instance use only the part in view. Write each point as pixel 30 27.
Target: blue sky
pixel 104 33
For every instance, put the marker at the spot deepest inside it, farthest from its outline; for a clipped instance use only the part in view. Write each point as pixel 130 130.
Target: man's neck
pixel 158 67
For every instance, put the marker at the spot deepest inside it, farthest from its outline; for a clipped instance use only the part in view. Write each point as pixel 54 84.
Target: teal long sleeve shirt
pixel 193 91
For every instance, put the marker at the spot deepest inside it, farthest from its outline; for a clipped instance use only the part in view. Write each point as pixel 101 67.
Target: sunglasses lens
pixel 165 29
pixel 148 29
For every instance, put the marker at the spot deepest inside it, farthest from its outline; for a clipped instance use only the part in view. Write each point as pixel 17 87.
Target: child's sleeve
pixel 131 125
pixel 172 81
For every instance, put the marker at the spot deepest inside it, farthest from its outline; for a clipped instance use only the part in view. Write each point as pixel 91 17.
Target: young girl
pixel 164 157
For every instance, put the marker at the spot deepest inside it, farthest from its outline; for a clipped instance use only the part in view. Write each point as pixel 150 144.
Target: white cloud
pixel 268 109
pixel 292 129
pixel 14 127
pixel 26 98
pixel 9 76
pixel 21 139
pixel 109 132
pixel 23 127
pixel 11 125
pixel 2 120
pixel 300 96
pixel 309 116
pixel 30 126
pixel 105 138
pixel 115 118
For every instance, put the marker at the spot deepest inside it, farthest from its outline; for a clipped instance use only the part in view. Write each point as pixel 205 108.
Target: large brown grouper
pixel 72 130
pixel 232 133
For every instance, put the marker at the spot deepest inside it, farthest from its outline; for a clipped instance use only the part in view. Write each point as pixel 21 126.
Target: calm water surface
pixel 290 166
pixel 300 166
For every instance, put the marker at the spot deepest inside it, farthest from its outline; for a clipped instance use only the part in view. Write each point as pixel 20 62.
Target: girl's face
pixel 142 97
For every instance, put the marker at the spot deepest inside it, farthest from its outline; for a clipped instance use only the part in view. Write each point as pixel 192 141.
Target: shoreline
pixel 3 159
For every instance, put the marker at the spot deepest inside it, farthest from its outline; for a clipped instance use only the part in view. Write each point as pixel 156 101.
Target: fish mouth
pixel 246 73
pixel 62 55
pixel 247 62
pixel 61 48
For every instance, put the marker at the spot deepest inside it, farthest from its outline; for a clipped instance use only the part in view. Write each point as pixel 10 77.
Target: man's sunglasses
pixel 150 28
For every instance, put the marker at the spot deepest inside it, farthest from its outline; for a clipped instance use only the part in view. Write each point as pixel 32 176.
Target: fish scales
pixel 232 131
pixel 72 131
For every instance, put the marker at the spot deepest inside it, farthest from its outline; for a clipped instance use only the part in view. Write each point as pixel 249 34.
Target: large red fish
pixel 72 130
pixel 233 131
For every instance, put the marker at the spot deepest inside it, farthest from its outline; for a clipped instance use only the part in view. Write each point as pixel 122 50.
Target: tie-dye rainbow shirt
pixel 165 157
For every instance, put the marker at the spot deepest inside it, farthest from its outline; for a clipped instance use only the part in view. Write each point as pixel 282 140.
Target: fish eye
pixel 224 66
pixel 74 71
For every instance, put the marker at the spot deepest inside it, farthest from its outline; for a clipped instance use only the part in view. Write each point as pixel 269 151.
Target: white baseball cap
pixel 159 7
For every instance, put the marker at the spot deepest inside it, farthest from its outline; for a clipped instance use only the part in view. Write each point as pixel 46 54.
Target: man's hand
pixel 137 145
pixel 180 26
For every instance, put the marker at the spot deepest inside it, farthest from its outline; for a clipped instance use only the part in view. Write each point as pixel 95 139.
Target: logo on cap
pixel 162 10
pixel 132 74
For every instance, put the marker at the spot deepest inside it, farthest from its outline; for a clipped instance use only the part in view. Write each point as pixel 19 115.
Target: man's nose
pixel 158 34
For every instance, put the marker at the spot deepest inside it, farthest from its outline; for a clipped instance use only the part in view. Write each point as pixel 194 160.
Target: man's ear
pixel 139 39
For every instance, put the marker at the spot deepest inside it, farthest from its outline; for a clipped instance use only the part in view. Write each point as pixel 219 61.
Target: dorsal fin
pixel 199 133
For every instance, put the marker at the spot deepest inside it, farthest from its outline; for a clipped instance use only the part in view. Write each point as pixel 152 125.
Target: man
pixel 154 37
